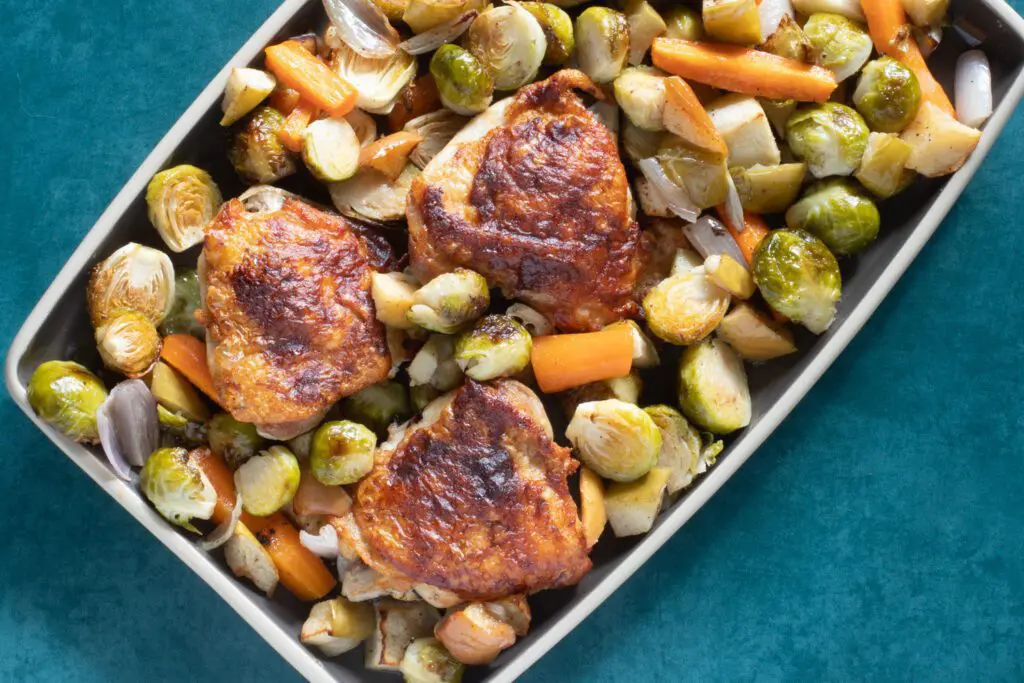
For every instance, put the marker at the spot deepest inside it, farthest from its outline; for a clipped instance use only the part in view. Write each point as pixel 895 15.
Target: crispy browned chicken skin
pixel 539 206
pixel 290 323
pixel 473 498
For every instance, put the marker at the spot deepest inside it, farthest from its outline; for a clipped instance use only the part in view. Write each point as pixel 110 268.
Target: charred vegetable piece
pixel 558 31
pixel 510 43
pixel 496 346
pixel 180 202
pixel 128 343
pixel 450 301
pixel 232 440
pixel 135 278
pixel 602 43
pixel 789 41
pixel 257 152
pixel 178 489
pixel 67 396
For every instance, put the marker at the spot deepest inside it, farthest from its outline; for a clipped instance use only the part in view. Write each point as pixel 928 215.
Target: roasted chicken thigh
pixel 533 196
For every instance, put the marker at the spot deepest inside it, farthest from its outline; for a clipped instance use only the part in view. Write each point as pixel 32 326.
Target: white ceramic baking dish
pixel 58 328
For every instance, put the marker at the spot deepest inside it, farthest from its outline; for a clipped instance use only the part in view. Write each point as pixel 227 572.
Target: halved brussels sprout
pixel 378 406
pixel 268 481
pixel 639 143
pixel 732 21
pixel 509 42
pixel 496 346
pixel 426 660
pixel 778 113
pixel 754 336
pixel 686 308
pixel 67 396
pixel 423 15
pixel 640 91
pixel 181 319
pixel 336 626
pixel 257 152
pixel 177 487
pixel 830 137
pixel 626 389
pixel 702 173
pixel 618 440
pixel 377 81
pixel 683 23
pixel 883 170
pixel 888 95
pixel 178 430
pixel 128 343
pixel 768 189
pixel 135 278
pixel 645 24
pixel 449 301
pixel 840 44
pixel 363 126
pixel 713 391
pixel 371 195
pixel 799 277
pixel 244 91
pixel 232 440
pixel 839 213
pixel 435 366
pixel 330 149
pixel 632 507
pixel 180 202
pixel 602 43
pixel 745 128
pixel 789 41
pixel 464 83
pixel 926 12
pixel 680 447
pixel 557 27
pixel 437 129
pixel 341 452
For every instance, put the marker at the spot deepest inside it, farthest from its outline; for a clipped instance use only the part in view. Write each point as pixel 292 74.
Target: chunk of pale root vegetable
pixel 245 89
pixel 754 336
pixel 314 498
pixel 743 124
pixel 652 202
pixel 592 506
pixel 360 583
pixel 730 275
pixel 397 625
pixel 514 610
pixel 474 635
pixel 850 9
pixel 337 626
pixel 633 506
pixel 247 558
pixel 941 144
pixel 437 597
pixel 393 295
pixel 685 116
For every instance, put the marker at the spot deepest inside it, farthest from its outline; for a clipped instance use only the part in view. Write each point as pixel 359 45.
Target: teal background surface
pixel 878 535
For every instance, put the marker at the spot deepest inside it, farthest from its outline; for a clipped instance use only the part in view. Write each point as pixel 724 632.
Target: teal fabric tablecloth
pixel 879 535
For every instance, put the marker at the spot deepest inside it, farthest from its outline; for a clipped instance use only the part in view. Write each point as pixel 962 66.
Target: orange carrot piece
pixel 754 230
pixel 187 355
pixel 563 361
pixel 685 116
pixel 390 153
pixel 743 70
pixel 931 90
pixel 301 572
pixel 416 99
pixel 284 99
pixel 296 68
pixel 297 122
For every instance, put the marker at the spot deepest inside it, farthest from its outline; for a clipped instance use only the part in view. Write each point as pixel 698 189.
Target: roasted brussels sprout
pixel 257 152
pixel 839 44
pixel 701 172
pixel 926 12
pixel 128 343
pixel 181 319
pixel 640 91
pixel 754 336
pixel 245 89
pixel 378 406
pixel 496 346
pixel 768 189
pixel 685 308
pixel 330 149
pixel 435 366
pixel 232 440
pixel 510 43
pixel 745 128
pixel 632 507
pixel 426 660
pixel 887 95
pixel 798 277
pixel 464 83
pixel 789 41
pixel 268 481
pixel 371 195
pixel 680 447
pixel 602 43
pixel 177 488
pixel 645 24
pixel 883 170
pixel 713 390
pixel 683 23
pixel 377 81
pixel 557 27
pixel 778 113
pixel 830 137
pixel 135 278
pixel 178 430
pixel 437 129
pixel 341 452
pixel 733 21
pixel 638 143
pixel 449 301
pixel 67 396
pixel 421 395
pixel 180 202
pixel 618 440
pixel 839 213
